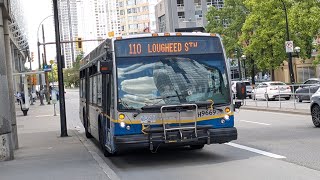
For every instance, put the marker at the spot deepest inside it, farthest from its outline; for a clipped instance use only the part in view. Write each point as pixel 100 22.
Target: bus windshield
pixel 166 80
pixel 170 71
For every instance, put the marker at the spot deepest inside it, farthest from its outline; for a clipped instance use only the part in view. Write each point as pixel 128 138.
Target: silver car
pixel 315 108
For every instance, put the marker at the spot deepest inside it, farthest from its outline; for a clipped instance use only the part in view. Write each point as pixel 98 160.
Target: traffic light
pixel 79 43
pixel 111 34
pixel 34 79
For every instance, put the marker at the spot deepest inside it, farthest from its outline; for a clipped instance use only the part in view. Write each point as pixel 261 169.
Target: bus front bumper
pixel 207 136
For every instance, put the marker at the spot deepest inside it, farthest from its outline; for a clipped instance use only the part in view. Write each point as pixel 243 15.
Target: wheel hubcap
pixel 316 115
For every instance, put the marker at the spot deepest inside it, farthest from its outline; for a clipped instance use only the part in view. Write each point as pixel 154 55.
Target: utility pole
pixel 63 121
pixel 45 63
pixel 9 60
pixel 239 63
pixel 40 75
pixel 291 73
pixel 6 144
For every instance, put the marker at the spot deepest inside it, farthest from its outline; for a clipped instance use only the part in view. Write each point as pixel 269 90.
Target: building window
pixel 197 2
pixel 180 2
pixel 198 13
pixel 181 15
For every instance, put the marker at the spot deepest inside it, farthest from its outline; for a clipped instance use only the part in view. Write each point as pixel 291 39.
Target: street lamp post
pixel 39 60
pixel 291 73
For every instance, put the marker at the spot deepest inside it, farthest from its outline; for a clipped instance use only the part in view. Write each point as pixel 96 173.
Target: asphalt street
pixel 270 146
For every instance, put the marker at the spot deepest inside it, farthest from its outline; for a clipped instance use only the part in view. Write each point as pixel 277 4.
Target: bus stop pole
pixel 63 120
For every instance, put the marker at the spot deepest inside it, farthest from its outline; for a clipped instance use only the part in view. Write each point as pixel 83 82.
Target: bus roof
pixel 166 34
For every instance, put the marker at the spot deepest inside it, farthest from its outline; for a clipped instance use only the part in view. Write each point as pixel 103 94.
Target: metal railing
pixel 297 97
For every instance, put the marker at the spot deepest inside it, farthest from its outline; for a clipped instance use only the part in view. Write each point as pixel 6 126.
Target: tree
pixel 71 75
pixel 228 22
pixel 53 75
pixel 265 29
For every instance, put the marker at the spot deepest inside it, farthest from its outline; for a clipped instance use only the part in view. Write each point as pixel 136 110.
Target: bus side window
pixel 90 91
pixel 99 90
pixel 94 88
pixel 84 88
pixel 112 93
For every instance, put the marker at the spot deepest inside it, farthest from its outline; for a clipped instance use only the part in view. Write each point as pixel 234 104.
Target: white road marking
pixel 276 156
pixel 46 115
pixel 256 122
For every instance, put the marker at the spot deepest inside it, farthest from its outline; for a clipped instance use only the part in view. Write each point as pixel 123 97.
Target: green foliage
pixel 258 27
pixel 71 75
pixel 53 75
pixel 233 14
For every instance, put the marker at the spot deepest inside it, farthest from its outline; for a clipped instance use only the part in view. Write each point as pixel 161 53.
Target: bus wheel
pixel 102 140
pixel 200 146
pixel 85 120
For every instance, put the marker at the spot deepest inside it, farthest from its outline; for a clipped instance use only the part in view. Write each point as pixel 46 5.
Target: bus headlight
pixel 122 124
pixel 223 121
pixel 128 127
pixel 226 117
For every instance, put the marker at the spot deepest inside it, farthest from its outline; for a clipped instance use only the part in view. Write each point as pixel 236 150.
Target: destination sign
pixel 152 46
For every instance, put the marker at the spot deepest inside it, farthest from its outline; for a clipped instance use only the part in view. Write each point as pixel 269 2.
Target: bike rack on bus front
pixel 176 107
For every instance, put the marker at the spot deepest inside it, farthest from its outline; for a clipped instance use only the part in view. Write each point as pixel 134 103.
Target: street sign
pixel 47 68
pixel 289 46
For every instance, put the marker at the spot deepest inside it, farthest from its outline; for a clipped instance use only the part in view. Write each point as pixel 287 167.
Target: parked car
pixel 307 89
pixel 248 87
pixel 315 108
pixel 272 90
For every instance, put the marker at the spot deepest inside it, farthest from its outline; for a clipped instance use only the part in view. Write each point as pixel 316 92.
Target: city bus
pixel 160 89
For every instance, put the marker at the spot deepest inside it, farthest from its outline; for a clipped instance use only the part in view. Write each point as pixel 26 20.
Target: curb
pixel 287 111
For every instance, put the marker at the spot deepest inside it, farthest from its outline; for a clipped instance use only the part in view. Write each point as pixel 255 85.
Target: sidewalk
pixel 43 154
pixel 277 109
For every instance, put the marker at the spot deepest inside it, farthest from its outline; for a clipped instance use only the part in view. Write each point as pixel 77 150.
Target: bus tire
pixel 198 146
pixel 85 122
pixel 102 140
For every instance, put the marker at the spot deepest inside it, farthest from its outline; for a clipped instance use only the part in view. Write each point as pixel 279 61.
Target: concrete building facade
pixel 181 15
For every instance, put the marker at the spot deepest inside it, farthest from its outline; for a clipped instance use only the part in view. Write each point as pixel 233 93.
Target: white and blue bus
pixel 161 89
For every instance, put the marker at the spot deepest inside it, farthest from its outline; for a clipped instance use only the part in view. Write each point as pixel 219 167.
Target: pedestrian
pixel 18 97
pixel 34 96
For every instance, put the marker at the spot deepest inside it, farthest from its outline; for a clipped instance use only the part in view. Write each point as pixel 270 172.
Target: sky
pixel 34 12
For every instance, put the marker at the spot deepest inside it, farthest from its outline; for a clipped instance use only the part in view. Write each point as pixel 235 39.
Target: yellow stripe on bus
pixel 159 121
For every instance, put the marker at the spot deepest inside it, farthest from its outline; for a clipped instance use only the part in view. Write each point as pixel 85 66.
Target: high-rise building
pixel 68 19
pixel 113 17
pixel 100 19
pixel 136 16
pixel 97 18
pixel 183 15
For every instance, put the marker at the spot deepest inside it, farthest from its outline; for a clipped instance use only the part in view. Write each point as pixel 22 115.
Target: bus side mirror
pixel 241 90
pixel 106 67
